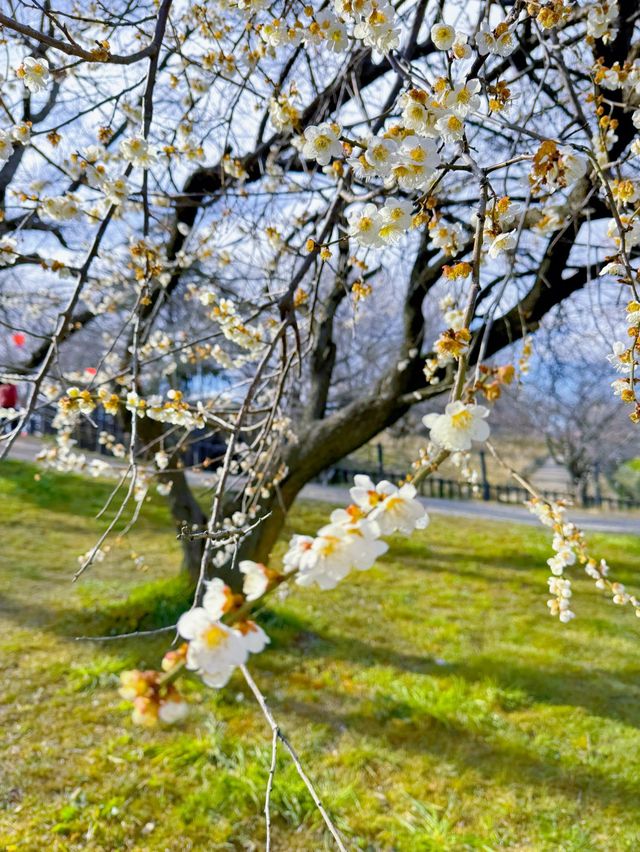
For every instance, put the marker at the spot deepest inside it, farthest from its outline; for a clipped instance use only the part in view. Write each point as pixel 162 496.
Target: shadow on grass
pixel 406 729
pixel 159 604
pixel 598 691
pixel 436 557
pixel 151 606
pixel 402 725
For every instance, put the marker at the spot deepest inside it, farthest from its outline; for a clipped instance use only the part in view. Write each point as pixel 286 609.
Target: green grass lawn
pixel 432 699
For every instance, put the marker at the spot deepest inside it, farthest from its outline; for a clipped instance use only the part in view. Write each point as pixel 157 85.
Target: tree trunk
pixel 261 541
pixel 319 447
pixel 185 509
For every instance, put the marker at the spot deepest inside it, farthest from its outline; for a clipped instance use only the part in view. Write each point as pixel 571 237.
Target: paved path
pixel 550 476
pixel 25 449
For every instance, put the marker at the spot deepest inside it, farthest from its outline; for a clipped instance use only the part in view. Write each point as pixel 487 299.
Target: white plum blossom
pixel 464 98
pixel 34 73
pixel 137 151
pixel 6 146
pixel 364 225
pixel 380 154
pixel 499 42
pixel 60 208
pixel 631 235
pixel 116 191
pixel 335 552
pixel 161 459
pixel 416 160
pixel 562 559
pixel 352 540
pixel 451 127
pixel 575 165
pixel 601 19
pixel 253 637
pixel 277 32
pixel 172 710
pixel 217 599
pixel 620 358
pixel 485 41
pixel 378 30
pixel 417 114
pixel 560 603
pixel 395 219
pixel 216 649
pixel 619 386
pixel 449 238
pixel 505 44
pixel 298 546
pixel 460 424
pixel 559 168
pixel 322 142
pixel 614 268
pixel 460 49
pixel 283 114
pixel 442 36
pixel 390 509
pixel 21 133
pixel 333 31
pixel 328 560
pixel 502 243
pixel 8 251
pixel 256 579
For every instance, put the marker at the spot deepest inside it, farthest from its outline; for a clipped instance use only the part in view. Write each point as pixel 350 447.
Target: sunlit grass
pixel 432 698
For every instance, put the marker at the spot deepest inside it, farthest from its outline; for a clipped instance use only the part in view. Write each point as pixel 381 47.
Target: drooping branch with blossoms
pixel 282 226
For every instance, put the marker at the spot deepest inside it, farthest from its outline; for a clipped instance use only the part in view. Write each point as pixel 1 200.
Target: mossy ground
pixel 432 699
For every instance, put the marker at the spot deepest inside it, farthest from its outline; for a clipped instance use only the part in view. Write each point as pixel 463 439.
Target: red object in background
pixel 90 370
pixel 18 338
pixel 8 396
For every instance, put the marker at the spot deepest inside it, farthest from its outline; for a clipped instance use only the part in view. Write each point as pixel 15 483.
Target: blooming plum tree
pixel 285 199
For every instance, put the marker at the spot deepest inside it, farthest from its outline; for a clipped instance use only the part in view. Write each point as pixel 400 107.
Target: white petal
pixel 192 623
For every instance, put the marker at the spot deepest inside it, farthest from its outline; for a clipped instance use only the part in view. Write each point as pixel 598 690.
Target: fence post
pixel 597 488
pixel 483 472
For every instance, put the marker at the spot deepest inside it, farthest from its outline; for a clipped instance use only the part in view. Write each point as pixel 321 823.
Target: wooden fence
pixel 87 434
pixel 452 489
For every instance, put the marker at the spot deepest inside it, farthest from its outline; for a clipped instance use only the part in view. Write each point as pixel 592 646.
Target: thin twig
pixel 267 798
pixel 278 735
pixel 133 635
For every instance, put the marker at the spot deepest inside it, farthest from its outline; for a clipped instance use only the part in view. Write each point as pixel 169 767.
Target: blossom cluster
pixel 371 21
pixel 503 216
pixel 175 409
pixel 374 227
pixel 154 698
pixel 352 540
pixel 19 134
pixel 554 167
pixel 225 312
pixel 215 649
pixel 570 548
pixel 220 636
pixel 625 356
